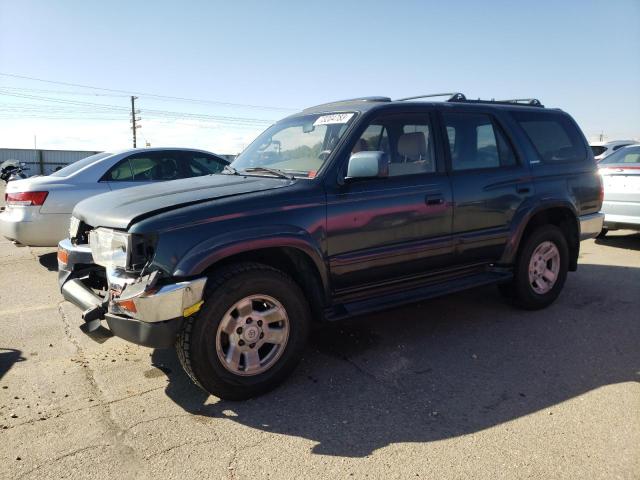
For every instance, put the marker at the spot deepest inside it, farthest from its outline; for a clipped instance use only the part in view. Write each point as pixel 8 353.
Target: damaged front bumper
pixel 138 309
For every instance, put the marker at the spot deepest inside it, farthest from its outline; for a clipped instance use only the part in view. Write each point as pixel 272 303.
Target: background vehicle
pixel 602 150
pixel 12 170
pixel 340 210
pixel 38 209
pixel 621 178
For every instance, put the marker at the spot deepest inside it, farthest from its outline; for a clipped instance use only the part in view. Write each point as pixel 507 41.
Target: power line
pixel 63 92
pixel 152 95
pixel 121 109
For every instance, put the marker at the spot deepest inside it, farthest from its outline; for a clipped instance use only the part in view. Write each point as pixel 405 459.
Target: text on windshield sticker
pixel 333 118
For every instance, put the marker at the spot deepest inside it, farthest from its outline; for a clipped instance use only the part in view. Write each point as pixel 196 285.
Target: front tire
pixel 540 270
pixel 249 335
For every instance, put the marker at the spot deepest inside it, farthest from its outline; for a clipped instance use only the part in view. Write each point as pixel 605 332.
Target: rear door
pixel 489 180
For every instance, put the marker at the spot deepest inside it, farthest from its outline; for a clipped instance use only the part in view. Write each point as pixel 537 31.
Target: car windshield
pixel 297 146
pixel 77 165
pixel 624 155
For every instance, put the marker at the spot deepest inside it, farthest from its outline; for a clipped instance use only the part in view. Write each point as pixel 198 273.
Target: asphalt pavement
pixel 463 386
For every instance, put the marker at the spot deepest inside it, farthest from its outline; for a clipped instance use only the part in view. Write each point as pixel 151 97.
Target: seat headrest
pixel 412 146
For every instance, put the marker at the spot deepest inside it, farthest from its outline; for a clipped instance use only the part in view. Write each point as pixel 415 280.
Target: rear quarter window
pixel 554 136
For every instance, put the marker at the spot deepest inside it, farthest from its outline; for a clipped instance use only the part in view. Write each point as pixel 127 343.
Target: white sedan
pixel 621 180
pixel 38 209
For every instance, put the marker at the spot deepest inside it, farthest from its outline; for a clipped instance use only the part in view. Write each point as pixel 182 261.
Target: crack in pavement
pixel 61 457
pixel 233 462
pixel 122 449
pixel 155 419
pixel 89 407
pixel 384 383
pixel 193 444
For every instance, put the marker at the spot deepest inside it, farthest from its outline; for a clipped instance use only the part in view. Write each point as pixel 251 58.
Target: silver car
pixel 38 209
pixel 621 180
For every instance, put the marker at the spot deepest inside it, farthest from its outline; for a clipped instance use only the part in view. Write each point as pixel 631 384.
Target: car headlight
pixel 110 248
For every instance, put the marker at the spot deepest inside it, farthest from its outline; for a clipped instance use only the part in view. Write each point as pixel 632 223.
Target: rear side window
pixel 630 155
pixel 554 136
pixel 121 172
pixel 475 142
pixel 598 150
pixel 155 167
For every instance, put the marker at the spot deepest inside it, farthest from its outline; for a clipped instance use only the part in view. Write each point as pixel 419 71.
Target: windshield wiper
pixel 273 171
pixel 230 170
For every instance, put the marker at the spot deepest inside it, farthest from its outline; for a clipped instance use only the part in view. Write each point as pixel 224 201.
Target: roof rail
pixel 350 100
pixel 453 97
pixel 534 102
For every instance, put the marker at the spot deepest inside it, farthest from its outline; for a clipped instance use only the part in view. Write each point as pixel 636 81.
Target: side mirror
pixel 364 165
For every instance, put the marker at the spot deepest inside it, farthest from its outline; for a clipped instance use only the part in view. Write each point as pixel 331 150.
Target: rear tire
pixel 226 348
pixel 603 232
pixel 540 270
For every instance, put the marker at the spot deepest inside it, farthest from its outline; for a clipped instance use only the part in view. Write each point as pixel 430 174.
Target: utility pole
pixel 133 120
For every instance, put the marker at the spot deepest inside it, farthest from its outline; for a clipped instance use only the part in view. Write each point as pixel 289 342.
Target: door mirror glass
pixel 368 165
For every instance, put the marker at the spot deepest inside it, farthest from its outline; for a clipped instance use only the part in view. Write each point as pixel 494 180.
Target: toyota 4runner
pixel 340 210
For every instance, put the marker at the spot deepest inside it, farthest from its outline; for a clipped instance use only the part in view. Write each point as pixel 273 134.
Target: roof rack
pixel 460 97
pixel 350 100
pixel 534 102
pixel 453 97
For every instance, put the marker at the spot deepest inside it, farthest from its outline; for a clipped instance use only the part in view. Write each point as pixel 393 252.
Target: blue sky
pixel 581 56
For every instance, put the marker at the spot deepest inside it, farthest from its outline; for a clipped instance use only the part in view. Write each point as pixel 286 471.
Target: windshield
pixel 298 146
pixel 624 155
pixel 75 166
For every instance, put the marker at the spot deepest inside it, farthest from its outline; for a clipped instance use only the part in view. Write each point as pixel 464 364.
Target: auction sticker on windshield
pixel 333 118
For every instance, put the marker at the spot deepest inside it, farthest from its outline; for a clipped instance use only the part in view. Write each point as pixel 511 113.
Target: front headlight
pixel 110 248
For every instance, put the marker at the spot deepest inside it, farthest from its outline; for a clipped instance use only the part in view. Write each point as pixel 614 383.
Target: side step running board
pixel 360 307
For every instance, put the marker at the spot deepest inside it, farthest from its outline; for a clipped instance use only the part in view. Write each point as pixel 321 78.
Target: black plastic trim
pixel 154 335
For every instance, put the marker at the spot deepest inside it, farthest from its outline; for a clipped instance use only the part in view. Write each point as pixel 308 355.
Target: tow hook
pixel 92 317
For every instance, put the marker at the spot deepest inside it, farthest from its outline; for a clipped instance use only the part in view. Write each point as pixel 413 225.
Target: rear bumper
pixel 590 225
pixel 152 314
pixel 621 215
pixel 622 222
pixel 27 226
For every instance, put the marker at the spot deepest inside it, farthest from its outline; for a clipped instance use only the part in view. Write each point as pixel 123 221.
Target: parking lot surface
pixel 459 387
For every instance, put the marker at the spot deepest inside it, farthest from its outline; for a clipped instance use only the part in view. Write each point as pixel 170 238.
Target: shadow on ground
pixel 628 242
pixel 446 368
pixel 49 261
pixel 9 356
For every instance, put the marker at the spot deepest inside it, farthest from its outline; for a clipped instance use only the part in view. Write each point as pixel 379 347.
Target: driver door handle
pixel 434 199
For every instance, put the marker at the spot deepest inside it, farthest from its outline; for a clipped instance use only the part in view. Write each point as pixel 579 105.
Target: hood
pixel 120 208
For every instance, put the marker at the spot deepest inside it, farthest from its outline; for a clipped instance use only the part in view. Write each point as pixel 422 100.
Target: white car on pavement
pixel 602 150
pixel 38 209
pixel 621 180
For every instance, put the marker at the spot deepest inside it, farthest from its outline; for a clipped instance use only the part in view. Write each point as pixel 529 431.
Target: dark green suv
pixel 340 210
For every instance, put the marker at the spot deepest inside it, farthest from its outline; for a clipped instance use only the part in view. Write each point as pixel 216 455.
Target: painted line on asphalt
pixel 35 308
